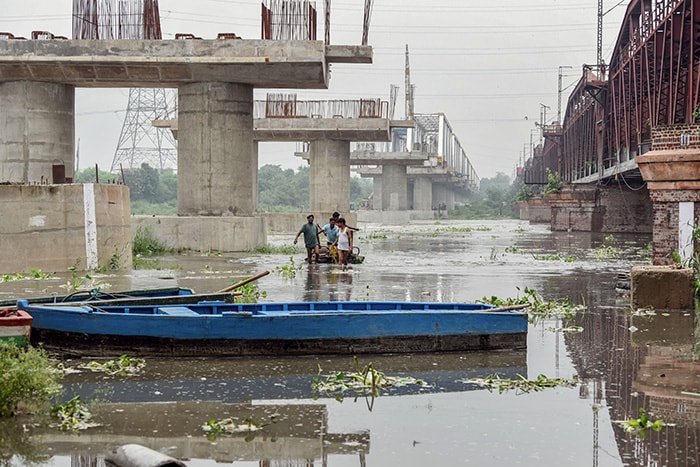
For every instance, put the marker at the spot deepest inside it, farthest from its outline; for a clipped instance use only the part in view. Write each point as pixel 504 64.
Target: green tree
pixel 88 176
pixel 143 183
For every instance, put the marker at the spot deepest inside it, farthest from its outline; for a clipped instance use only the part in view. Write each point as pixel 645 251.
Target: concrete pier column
pixel 439 195
pixel 217 167
pixel 394 188
pixel 37 132
pixel 329 176
pixel 422 194
pixel 450 198
pixel 377 190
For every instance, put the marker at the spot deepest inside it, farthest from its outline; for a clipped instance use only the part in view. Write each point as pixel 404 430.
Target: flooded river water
pixel 624 361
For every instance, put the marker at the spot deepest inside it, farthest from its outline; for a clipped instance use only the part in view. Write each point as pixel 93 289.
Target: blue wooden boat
pixel 229 329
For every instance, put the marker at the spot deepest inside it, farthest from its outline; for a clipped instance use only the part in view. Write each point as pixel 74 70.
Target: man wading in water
pixel 310 231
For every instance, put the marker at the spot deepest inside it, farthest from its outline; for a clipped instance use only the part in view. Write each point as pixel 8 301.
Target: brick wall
pixel 665 220
pixel 669 137
pixel 610 209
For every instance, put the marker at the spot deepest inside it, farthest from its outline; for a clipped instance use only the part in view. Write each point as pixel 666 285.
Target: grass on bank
pixel 29 379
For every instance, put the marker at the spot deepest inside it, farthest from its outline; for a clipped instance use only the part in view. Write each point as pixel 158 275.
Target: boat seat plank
pixel 177 311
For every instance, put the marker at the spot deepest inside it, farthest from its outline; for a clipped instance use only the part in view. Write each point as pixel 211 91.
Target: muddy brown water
pixel 624 361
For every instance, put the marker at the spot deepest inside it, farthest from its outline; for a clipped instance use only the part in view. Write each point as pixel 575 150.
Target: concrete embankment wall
pixel 206 233
pixel 55 227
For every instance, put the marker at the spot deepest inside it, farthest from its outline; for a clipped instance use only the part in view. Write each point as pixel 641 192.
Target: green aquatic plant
pixel 522 385
pixel 232 426
pixel 29 379
pixel 250 293
pixel 365 380
pixel 122 366
pixel 268 249
pixel 555 257
pixel 288 271
pixel 73 415
pixel 78 282
pixel 376 236
pixel 640 426
pixel 539 308
pixel 604 252
pixel 32 274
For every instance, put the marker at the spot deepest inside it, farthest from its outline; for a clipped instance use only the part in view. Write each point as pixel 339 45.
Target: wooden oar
pixel 509 307
pixel 243 282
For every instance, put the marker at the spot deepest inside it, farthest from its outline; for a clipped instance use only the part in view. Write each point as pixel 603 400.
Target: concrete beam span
pixel 306 129
pixel 412 158
pixel 170 63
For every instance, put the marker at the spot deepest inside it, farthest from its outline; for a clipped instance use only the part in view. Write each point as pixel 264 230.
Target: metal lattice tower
pixel 140 142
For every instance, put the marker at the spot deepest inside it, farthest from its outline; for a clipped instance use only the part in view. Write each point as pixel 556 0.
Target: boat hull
pixel 15 327
pixel 217 328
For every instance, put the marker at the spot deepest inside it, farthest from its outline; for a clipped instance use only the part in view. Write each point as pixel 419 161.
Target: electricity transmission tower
pixel 140 142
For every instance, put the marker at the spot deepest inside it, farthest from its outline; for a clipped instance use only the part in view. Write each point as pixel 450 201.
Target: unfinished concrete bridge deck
pixel 171 63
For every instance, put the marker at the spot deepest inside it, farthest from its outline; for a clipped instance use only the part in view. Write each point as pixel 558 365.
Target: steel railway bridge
pixel 652 80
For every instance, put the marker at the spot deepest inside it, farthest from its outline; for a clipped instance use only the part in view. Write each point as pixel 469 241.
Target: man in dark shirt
pixel 310 231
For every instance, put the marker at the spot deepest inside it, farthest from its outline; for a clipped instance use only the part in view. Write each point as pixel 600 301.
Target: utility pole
pixel 409 89
pixel 559 91
pixel 599 44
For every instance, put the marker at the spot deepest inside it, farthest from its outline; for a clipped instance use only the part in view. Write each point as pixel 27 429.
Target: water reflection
pixel 625 362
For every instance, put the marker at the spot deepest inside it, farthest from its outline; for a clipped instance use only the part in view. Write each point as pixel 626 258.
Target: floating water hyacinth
pixel 522 385
pixel 640 426
pixel 122 366
pixel 73 415
pixel 365 380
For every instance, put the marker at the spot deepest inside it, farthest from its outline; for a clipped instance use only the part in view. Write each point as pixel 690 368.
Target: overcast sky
pixel 488 66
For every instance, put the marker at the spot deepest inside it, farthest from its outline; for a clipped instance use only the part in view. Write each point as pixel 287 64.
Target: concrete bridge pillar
pixel 439 195
pixel 217 164
pixel 37 132
pixel 450 198
pixel 329 176
pixel 377 190
pixel 394 188
pixel 422 194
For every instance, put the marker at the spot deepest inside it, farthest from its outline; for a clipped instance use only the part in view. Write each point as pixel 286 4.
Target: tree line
pixel 279 190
